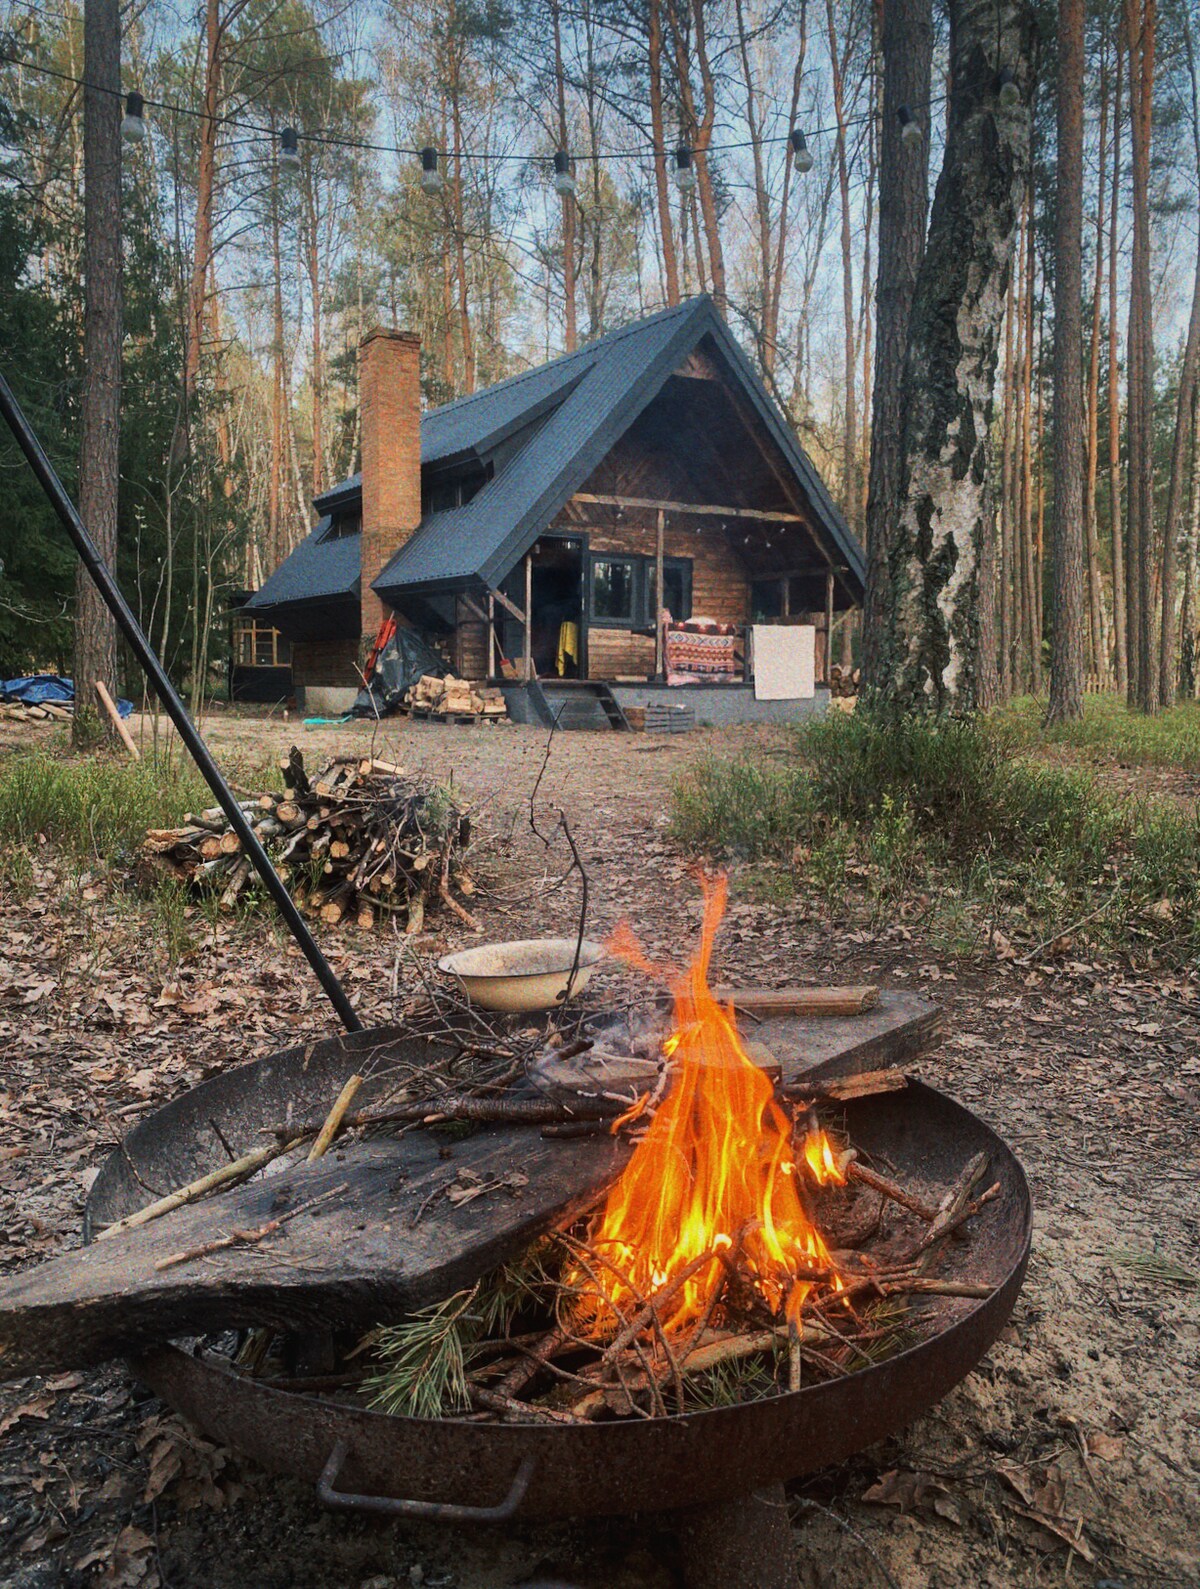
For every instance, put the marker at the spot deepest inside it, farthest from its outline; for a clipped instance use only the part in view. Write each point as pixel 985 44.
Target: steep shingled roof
pixel 585 402
pixel 321 568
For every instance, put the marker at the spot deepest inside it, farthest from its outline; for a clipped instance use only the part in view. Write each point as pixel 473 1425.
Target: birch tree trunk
pixel 1066 657
pixel 100 420
pixel 907 48
pixel 929 656
pixel 1184 408
pixel 570 325
pixel 662 191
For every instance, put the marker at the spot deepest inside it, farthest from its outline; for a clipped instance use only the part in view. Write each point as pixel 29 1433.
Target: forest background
pixel 248 282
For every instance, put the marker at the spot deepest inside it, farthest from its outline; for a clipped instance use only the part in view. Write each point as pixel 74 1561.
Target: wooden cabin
pixel 631 522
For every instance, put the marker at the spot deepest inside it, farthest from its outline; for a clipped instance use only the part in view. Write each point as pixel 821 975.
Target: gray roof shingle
pixel 319 569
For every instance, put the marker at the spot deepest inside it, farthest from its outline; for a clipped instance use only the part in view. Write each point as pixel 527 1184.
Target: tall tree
pixel 1184 408
pixel 1141 42
pixel 1116 526
pixel 907 50
pixel 1066 656
pixel 100 428
pixel 929 646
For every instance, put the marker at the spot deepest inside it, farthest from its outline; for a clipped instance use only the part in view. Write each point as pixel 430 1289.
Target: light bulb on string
pixel 432 181
pixel 289 151
pixel 564 182
pixel 685 171
pixel 803 154
pixel 133 122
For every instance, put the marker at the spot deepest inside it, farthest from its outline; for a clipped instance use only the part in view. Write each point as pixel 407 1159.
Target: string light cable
pixel 557 163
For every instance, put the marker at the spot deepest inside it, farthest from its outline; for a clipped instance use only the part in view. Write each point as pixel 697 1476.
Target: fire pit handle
pixel 433 1511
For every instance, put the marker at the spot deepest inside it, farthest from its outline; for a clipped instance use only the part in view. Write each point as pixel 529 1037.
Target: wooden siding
pixel 720 586
pixel 325 662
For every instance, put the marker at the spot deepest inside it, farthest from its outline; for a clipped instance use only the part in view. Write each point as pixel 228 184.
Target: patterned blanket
pixel 697 652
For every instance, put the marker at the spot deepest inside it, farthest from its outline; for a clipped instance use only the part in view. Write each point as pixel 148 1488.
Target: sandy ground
pixel 1071 1455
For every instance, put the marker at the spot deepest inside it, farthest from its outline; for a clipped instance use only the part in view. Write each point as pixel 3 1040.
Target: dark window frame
pixel 637 590
pixel 685 567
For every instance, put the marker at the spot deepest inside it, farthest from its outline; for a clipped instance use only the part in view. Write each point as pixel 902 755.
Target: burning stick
pixel 951 1210
pixel 841 1089
pixel 880 1183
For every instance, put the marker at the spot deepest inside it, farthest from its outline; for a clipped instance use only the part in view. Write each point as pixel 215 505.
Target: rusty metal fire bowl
pixel 457 1470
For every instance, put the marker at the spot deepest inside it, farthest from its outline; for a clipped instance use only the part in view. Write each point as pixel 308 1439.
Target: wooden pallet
pixel 429 714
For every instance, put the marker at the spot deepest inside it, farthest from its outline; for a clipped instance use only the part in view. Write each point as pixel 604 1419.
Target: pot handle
pixel 434 1511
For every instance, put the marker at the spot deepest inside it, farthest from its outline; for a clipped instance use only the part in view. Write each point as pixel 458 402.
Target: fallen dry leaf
pixel 1107 1447
pixel 39 1407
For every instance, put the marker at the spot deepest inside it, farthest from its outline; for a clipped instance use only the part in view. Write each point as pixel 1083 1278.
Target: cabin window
pixel 440 496
pixel 677 588
pixel 257 645
pixel 348 523
pixel 614 591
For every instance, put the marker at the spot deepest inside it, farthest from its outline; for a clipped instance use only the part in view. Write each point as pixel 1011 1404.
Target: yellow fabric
pixel 568 646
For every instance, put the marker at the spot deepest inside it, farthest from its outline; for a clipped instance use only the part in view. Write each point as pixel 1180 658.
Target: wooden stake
pixel 110 706
pixel 334 1119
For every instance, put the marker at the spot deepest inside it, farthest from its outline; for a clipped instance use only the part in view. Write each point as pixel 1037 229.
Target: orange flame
pixel 715 1167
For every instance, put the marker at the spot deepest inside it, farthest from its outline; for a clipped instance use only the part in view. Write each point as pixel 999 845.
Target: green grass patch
pixel 1110 732
pixel 953 821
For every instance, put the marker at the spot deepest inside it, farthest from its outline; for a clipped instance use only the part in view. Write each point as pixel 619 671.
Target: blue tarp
pixel 43 687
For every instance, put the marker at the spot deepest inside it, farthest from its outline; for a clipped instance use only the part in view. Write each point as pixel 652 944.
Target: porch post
pixel 528 658
pixel 658 593
pixel 828 626
pixel 491 629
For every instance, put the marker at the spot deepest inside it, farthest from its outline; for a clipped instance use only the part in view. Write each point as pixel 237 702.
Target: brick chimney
pixel 389 394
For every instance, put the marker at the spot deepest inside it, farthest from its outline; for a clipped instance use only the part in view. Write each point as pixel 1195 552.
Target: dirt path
pixel 1082 1424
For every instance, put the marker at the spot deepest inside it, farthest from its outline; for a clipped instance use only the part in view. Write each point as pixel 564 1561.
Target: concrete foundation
pixel 718 705
pixel 325 700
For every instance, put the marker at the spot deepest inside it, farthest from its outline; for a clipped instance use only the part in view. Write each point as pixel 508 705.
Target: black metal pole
pixel 176 711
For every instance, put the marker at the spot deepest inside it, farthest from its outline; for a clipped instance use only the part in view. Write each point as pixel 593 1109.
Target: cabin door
pixel 559 613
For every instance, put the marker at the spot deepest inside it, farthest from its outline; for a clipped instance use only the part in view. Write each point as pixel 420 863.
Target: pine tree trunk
pixel 100 419
pixel 1095 577
pixel 930 651
pixel 907 48
pixel 1007 500
pixel 1140 23
pixel 1067 640
pixel 1177 493
pixel 1029 624
pixel 1120 593
pixel 1191 570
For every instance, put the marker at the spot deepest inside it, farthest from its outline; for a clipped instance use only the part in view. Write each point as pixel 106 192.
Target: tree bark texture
pixel 100 419
pixel 1099 653
pixel 1067 640
pixel 907 48
pixel 1120 614
pixel 1140 26
pixel 929 656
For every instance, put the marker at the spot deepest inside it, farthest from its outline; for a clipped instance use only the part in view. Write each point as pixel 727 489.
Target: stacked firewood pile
pixel 451 697
pixel 48 711
pixel 358 842
pixel 843 680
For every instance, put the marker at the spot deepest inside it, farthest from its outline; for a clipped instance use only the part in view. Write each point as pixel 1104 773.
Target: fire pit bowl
pixel 459 1470
pixel 523 976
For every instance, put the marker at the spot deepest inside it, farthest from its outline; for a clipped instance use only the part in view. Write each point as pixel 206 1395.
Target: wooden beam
pixel 655 505
pixel 473 606
pixel 528 620
pixel 509 606
pixel 491 623
pixel 829 626
pixel 659 537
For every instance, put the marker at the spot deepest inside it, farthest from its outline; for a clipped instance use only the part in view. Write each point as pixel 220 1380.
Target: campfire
pixel 716 1181
pixel 740 1249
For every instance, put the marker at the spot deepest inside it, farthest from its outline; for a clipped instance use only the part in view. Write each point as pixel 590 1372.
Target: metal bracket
pixel 434 1511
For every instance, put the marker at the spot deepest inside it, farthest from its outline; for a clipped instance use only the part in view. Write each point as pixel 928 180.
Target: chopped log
pixel 799 1001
